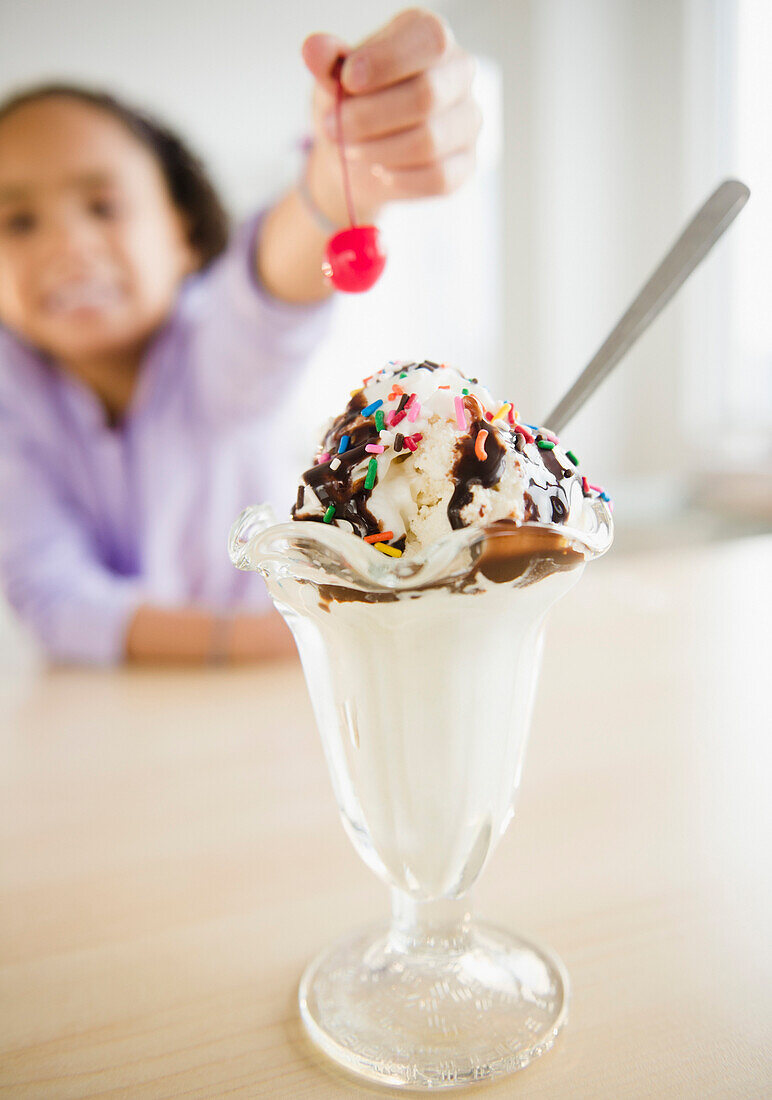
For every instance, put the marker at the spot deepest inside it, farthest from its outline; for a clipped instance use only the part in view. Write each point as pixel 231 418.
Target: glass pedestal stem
pixel 439 926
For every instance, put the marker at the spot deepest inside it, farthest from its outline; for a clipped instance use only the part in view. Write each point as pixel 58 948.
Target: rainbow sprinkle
pixel 370 409
pixel 545 445
pixel 503 411
pixel 375 448
pixel 372 470
pixel 413 412
pixel 572 456
pixel 323 457
pixel 460 413
pixel 382 536
pixel 379 421
pixel 329 514
pixel 479 445
pixel 392 551
pixel 343 445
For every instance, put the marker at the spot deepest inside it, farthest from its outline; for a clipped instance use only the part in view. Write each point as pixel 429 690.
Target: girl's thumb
pixel 320 52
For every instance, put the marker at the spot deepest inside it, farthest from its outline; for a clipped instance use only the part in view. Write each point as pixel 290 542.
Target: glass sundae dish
pixel 428 541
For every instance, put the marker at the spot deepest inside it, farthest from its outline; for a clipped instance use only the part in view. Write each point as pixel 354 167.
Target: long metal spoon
pixel 706 227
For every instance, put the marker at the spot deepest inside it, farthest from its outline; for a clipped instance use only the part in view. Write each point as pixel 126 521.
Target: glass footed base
pixel 415 1019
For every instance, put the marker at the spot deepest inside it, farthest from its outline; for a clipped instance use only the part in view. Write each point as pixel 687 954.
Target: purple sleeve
pixel 78 610
pixel 246 347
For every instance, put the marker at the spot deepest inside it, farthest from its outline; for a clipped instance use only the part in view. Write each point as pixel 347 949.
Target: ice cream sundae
pixel 429 539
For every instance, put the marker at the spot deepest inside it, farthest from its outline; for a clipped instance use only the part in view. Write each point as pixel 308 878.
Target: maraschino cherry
pixel 354 257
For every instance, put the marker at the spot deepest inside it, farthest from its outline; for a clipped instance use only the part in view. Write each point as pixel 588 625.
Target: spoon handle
pixel 697 239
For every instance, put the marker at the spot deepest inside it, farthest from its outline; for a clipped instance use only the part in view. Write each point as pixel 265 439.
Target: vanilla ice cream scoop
pixel 421 450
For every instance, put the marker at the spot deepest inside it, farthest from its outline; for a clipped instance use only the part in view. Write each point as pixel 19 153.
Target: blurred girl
pixel 142 354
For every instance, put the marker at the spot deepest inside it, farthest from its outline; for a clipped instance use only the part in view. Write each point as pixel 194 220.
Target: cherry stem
pixel 341 148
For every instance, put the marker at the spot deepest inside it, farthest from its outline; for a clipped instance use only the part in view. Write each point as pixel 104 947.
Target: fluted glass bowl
pixel 422 672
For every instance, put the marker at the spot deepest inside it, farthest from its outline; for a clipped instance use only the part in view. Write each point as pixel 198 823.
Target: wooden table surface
pixel 171 857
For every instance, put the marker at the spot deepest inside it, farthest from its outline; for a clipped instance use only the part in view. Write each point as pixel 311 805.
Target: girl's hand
pixel 187 635
pixel 410 123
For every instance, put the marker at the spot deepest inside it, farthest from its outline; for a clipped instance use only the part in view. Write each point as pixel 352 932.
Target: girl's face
pixel 92 248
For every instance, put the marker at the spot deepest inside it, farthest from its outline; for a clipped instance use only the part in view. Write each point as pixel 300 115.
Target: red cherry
pixel 354 258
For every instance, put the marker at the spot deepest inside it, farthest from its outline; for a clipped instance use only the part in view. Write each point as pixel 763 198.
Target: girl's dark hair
pixel 190 188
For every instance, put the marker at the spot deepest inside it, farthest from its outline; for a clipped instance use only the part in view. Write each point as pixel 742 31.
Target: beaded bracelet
pixel 327 225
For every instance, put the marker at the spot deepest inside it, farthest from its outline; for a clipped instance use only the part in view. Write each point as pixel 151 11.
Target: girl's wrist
pixel 324 187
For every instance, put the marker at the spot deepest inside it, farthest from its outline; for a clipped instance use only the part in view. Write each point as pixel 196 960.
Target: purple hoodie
pixel 95 521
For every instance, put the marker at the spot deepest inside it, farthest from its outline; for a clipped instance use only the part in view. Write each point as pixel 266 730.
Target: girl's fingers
pixel 440 178
pixel 413 41
pixel 320 52
pixel 409 123
pixel 406 104
pixel 451 131
pixel 373 185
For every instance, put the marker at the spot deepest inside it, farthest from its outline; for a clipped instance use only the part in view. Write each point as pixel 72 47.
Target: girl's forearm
pixel 290 252
pixel 292 242
pixel 159 635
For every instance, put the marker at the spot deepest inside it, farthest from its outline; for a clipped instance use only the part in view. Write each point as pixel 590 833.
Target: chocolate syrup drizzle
pixel 469 470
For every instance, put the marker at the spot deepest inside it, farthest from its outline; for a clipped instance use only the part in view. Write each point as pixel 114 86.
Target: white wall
pixel 620 117
pixel 592 101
